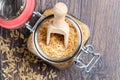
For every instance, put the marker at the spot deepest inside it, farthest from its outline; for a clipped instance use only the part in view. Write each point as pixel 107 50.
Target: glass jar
pixel 68 61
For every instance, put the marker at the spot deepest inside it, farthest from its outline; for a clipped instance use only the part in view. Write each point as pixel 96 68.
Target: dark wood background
pixel 103 19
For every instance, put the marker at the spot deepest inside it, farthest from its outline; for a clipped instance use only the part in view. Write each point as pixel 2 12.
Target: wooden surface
pixel 103 19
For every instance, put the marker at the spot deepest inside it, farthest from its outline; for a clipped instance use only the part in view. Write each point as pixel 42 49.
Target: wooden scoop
pixel 59 25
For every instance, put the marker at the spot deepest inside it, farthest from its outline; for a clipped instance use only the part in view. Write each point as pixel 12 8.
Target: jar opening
pixel 42 52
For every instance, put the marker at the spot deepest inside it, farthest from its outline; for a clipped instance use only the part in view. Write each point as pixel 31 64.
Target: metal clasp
pixel 89 50
pixel 34 20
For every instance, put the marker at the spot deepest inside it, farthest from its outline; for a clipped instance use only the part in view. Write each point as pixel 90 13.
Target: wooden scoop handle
pixel 60 11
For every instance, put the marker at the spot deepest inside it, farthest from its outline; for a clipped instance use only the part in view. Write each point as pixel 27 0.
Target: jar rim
pixel 77 49
pixel 22 18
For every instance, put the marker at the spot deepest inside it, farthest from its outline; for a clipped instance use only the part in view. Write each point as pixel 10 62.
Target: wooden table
pixel 103 19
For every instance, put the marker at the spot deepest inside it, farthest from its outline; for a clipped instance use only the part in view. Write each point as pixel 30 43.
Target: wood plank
pixel 103 19
pixel 0 59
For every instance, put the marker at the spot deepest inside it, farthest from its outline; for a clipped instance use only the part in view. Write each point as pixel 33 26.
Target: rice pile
pixel 56 49
pixel 17 62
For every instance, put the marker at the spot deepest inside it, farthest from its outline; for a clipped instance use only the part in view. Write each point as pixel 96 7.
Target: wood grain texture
pixel 103 19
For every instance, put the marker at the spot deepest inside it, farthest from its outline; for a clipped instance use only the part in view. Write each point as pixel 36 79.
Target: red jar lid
pixel 21 19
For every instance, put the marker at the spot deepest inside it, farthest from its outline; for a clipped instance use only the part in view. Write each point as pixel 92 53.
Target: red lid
pixel 20 20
